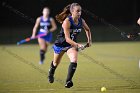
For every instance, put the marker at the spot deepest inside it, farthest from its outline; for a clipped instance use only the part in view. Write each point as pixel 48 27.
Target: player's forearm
pixel 34 31
pixel 88 34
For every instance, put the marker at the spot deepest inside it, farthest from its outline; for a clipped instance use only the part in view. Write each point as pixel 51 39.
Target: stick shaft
pixel 29 39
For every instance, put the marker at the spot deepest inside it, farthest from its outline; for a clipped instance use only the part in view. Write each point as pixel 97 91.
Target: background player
pixel 46 25
pixel 72 23
pixel 138 21
pixel 134 35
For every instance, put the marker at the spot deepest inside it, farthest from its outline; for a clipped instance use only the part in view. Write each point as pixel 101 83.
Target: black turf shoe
pixel 51 78
pixel 68 84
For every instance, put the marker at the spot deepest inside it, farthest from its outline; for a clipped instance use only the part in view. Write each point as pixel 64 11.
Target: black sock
pixel 52 69
pixel 71 71
pixel 42 55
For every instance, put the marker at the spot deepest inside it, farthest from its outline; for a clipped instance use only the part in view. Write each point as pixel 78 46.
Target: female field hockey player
pixel 72 24
pixel 46 26
pixel 139 25
pixel 138 21
pixel 134 35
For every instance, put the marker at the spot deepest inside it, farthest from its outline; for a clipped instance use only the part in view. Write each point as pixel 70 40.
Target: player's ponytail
pixel 61 17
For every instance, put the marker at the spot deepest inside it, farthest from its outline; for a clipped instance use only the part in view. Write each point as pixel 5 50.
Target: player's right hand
pixel 33 36
pixel 80 46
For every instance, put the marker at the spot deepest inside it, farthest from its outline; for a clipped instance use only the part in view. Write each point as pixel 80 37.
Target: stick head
pixel 83 47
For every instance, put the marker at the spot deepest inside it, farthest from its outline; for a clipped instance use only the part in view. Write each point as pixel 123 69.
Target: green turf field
pixel 112 65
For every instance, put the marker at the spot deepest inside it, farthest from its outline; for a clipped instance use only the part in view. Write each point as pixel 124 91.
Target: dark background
pixel 121 13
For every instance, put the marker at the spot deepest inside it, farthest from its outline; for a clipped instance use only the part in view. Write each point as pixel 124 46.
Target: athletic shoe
pixel 68 84
pixel 51 78
pixel 41 62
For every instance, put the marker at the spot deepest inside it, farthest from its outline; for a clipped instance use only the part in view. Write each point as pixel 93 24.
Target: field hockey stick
pixel 29 39
pixel 4 4
pixel 83 47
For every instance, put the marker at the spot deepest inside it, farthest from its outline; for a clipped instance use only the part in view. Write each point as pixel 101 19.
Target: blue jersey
pixel 45 25
pixel 74 31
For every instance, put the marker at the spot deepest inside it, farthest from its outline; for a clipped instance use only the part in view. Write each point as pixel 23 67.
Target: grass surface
pixel 112 65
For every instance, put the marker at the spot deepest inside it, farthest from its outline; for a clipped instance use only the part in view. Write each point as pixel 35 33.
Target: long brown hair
pixel 66 12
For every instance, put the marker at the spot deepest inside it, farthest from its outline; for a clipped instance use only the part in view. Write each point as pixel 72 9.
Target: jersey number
pixel 72 36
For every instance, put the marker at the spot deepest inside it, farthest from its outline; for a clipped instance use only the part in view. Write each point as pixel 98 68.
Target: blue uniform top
pixel 45 25
pixel 74 31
